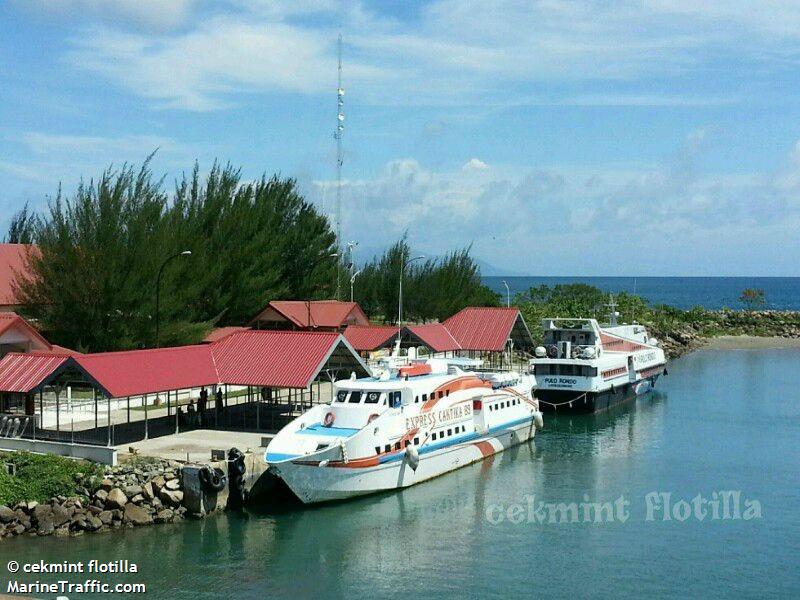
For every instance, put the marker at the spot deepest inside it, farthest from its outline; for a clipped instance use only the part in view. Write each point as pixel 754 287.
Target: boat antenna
pixel 339 160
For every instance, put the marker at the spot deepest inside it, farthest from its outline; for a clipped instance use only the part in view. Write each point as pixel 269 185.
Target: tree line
pixel 100 251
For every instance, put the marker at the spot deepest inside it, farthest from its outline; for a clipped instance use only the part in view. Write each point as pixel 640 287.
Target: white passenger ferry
pixel 585 367
pixel 410 424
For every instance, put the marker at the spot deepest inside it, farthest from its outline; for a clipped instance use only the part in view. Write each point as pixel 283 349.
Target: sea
pixel 780 293
pixel 691 491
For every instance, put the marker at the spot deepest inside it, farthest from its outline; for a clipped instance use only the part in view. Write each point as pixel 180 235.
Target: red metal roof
pixel 482 328
pixel 365 338
pixel 273 358
pixel 12 262
pixel 324 313
pixel 23 372
pixel 435 336
pixel 221 333
pixel 11 319
pixel 136 372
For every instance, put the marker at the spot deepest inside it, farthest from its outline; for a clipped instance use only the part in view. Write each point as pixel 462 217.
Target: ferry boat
pixel 584 367
pixel 409 424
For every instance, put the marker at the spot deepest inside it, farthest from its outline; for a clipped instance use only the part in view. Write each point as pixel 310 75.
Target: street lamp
pixel 400 298
pixel 158 288
pixel 352 280
pixel 314 266
pixel 508 294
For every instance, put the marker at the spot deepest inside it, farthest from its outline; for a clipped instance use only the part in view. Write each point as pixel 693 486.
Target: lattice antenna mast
pixel 339 160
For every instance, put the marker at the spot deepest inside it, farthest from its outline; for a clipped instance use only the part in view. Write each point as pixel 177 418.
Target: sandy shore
pixel 749 342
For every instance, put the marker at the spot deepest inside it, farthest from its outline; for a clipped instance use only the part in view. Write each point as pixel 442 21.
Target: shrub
pixel 41 477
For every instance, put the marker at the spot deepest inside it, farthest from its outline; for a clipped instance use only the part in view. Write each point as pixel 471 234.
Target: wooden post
pixel 109 421
pixel 94 397
pixel 146 430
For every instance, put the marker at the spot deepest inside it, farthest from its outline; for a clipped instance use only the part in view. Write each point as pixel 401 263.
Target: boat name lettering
pixel 434 418
pixel 646 357
pixel 563 381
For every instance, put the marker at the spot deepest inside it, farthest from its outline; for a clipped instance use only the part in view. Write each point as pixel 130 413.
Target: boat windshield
pixel 367 397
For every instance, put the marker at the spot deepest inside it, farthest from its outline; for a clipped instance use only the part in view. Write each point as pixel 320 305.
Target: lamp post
pixel 158 289
pixel 352 281
pixel 403 268
pixel 314 266
pixel 508 294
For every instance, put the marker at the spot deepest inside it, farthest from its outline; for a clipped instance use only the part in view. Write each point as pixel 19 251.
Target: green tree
pixel 22 228
pixel 100 251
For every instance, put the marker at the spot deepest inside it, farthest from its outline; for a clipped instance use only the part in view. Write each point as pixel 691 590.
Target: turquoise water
pixel 781 293
pixel 721 420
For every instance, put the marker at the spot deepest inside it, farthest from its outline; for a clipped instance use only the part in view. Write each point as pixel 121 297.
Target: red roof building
pixel 17 335
pixel 13 264
pixel 489 329
pixel 434 335
pixel 20 373
pixel 283 359
pixel 368 338
pixel 321 315
pixel 221 333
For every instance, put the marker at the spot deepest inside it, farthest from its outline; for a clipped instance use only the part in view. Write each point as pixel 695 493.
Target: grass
pixel 41 477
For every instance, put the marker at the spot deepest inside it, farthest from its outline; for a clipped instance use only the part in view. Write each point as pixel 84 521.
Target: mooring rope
pixel 557 404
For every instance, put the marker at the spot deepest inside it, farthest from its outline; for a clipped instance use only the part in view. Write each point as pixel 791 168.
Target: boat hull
pixel 572 402
pixel 314 483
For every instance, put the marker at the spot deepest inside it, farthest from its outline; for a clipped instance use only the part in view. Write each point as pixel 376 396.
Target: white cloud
pixel 488 53
pixel 602 219
pixel 149 15
pixel 474 164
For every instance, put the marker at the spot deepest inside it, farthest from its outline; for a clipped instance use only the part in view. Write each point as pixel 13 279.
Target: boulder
pixel 61 514
pixel 158 483
pixel 173 484
pixel 147 491
pixel 132 490
pixel 106 517
pixel 136 515
pixel 93 523
pixel 101 494
pixel 41 511
pixel 45 525
pixel 6 514
pixel 171 497
pixel 106 485
pixel 137 499
pixel 32 504
pixel 164 516
pixel 116 499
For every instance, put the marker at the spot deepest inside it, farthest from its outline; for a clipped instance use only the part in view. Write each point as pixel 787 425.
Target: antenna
pixel 613 309
pixel 338 135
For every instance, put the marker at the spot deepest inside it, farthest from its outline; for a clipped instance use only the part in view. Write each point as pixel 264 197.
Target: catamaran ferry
pixel 584 367
pixel 409 424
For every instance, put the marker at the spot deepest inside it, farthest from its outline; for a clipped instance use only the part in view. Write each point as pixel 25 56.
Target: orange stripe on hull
pixel 462 383
pixel 486 448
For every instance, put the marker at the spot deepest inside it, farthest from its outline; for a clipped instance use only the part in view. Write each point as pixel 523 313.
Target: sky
pixel 556 137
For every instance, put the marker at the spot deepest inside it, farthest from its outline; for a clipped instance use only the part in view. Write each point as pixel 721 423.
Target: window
pixel 433 437
pixel 416 399
pixel 377 449
pixel 424 398
pixel 447 392
pixel 397 445
pixel 441 394
pixel 388 448
pixel 355 397
pixel 341 395
pixel 416 441
pixel 449 432
pixel 407 442
pixel 372 397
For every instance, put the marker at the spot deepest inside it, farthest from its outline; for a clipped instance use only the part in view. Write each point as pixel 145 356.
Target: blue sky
pixel 556 137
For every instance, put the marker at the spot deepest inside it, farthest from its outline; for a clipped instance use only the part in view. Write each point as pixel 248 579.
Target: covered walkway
pixel 249 380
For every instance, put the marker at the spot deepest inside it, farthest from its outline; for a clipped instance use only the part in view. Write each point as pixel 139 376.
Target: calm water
pixel 683 292
pixel 692 436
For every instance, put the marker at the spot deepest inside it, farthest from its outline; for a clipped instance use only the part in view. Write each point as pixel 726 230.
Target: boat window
pixel 355 397
pixel 449 432
pixel 397 445
pixel 341 395
pixel 406 443
pixel 433 437
pixel 441 394
pixel 394 399
pixel 377 449
pixel 447 392
pixel 416 441
pixel 388 448
pixel 424 398
pixel 372 397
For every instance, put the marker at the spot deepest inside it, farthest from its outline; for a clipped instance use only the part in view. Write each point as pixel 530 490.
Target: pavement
pixel 195 445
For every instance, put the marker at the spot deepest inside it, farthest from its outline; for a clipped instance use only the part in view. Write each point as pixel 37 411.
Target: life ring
pixel 329 419
pixel 212 479
pixel 372 417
